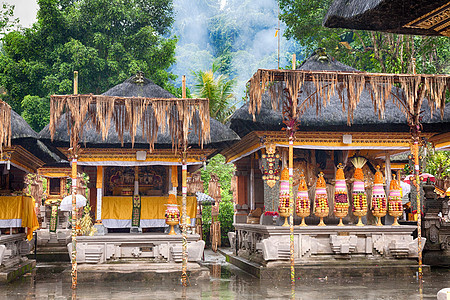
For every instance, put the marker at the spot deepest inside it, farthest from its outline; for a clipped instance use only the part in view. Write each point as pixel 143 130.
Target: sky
pixel 25 10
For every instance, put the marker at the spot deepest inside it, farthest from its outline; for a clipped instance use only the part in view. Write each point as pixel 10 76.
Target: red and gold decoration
pixel 395 200
pixel 270 165
pixel 172 212
pixel 379 207
pixel 359 193
pixel 321 208
pixel 283 207
pixel 340 195
pixel 302 202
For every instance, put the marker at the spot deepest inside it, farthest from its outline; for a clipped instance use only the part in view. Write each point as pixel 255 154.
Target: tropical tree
pixel 364 50
pixel 218 89
pixel 105 40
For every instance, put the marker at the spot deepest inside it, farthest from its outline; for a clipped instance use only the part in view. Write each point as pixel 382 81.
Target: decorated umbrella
pixel 378 197
pixel 321 207
pixel 423 177
pixel 340 195
pixel 302 201
pixel 359 192
pixel 66 203
pixel 204 199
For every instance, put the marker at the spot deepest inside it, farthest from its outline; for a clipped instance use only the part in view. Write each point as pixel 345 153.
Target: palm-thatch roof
pixel 331 117
pixel 137 86
pixel 420 17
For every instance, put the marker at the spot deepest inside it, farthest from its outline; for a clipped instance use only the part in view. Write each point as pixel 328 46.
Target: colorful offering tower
pixel 283 207
pixel 379 207
pixel 321 207
pixel 340 195
pixel 302 201
pixel 172 213
pixel 395 200
pixel 359 192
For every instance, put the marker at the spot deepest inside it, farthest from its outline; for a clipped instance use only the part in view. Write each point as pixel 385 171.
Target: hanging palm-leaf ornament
pixel 302 201
pixel 378 202
pixel 283 207
pixel 340 195
pixel 395 200
pixel 321 207
pixel 359 192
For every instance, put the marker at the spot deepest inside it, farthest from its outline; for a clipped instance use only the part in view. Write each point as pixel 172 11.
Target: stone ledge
pixel 11 273
pixel 137 271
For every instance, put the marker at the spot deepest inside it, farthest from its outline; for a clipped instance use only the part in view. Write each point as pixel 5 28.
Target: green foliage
pixel 367 51
pixel 36 111
pixel 219 91
pixel 225 172
pixel 105 40
pixel 6 18
pixel 438 164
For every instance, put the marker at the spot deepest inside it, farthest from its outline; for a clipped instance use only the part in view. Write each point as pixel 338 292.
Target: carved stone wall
pixel 266 244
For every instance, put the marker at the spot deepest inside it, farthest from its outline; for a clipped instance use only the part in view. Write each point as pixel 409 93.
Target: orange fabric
pixel 29 218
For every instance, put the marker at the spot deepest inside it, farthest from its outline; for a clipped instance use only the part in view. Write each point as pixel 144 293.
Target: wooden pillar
pixel 136 180
pixel 99 186
pixel 74 199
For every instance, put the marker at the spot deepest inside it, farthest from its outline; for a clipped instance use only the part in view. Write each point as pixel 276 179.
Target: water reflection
pixel 227 282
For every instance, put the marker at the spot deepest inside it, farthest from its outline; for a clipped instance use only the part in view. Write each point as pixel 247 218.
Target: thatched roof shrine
pixel 138 88
pixel 420 17
pixel 331 116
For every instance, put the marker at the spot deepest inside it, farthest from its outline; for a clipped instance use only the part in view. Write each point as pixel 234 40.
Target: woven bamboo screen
pixel 175 116
pixel 348 86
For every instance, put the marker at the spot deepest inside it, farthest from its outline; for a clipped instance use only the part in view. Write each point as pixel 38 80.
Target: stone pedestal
pixel 101 229
pixel 270 244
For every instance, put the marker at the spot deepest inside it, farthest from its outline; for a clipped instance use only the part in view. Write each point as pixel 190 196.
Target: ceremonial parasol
pixel 66 203
pixel 423 177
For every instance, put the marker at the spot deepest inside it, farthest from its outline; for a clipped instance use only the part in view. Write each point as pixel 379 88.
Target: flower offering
pixel 395 200
pixel 359 193
pixel 302 201
pixel 321 207
pixel 379 207
pixel 340 195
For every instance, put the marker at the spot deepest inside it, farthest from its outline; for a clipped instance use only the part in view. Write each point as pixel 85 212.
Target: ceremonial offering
pixel 359 192
pixel 321 201
pixel 284 207
pixel 378 197
pixel 172 212
pixel 302 203
pixel 395 201
pixel 340 195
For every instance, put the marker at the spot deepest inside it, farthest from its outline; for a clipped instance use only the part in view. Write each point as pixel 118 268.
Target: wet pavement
pixel 226 282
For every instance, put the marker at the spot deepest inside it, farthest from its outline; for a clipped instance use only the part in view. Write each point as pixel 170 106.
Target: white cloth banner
pixel 5 223
pixel 115 223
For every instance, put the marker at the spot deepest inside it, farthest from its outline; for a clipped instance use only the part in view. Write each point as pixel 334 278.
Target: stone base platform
pixel 8 274
pixel 155 247
pixel 142 271
pixel 269 245
pixel 327 268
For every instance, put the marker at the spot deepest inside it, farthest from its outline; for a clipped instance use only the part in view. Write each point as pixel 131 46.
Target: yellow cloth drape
pixel 29 218
pixel 120 207
pixel 20 207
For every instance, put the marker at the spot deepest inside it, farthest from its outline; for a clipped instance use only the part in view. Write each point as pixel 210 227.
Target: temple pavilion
pixel 119 171
pixel 20 194
pixel 326 137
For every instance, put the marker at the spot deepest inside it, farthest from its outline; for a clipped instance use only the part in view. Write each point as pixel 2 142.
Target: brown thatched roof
pixel 137 86
pixel 399 16
pixel 331 117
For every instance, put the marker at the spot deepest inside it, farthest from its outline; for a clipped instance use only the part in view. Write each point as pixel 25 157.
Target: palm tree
pixel 219 91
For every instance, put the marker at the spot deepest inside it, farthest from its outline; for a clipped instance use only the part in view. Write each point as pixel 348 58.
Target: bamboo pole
pixel 419 207
pixel 183 84
pixel 74 198
pixel 183 203
pixel 291 195
pixel 184 215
